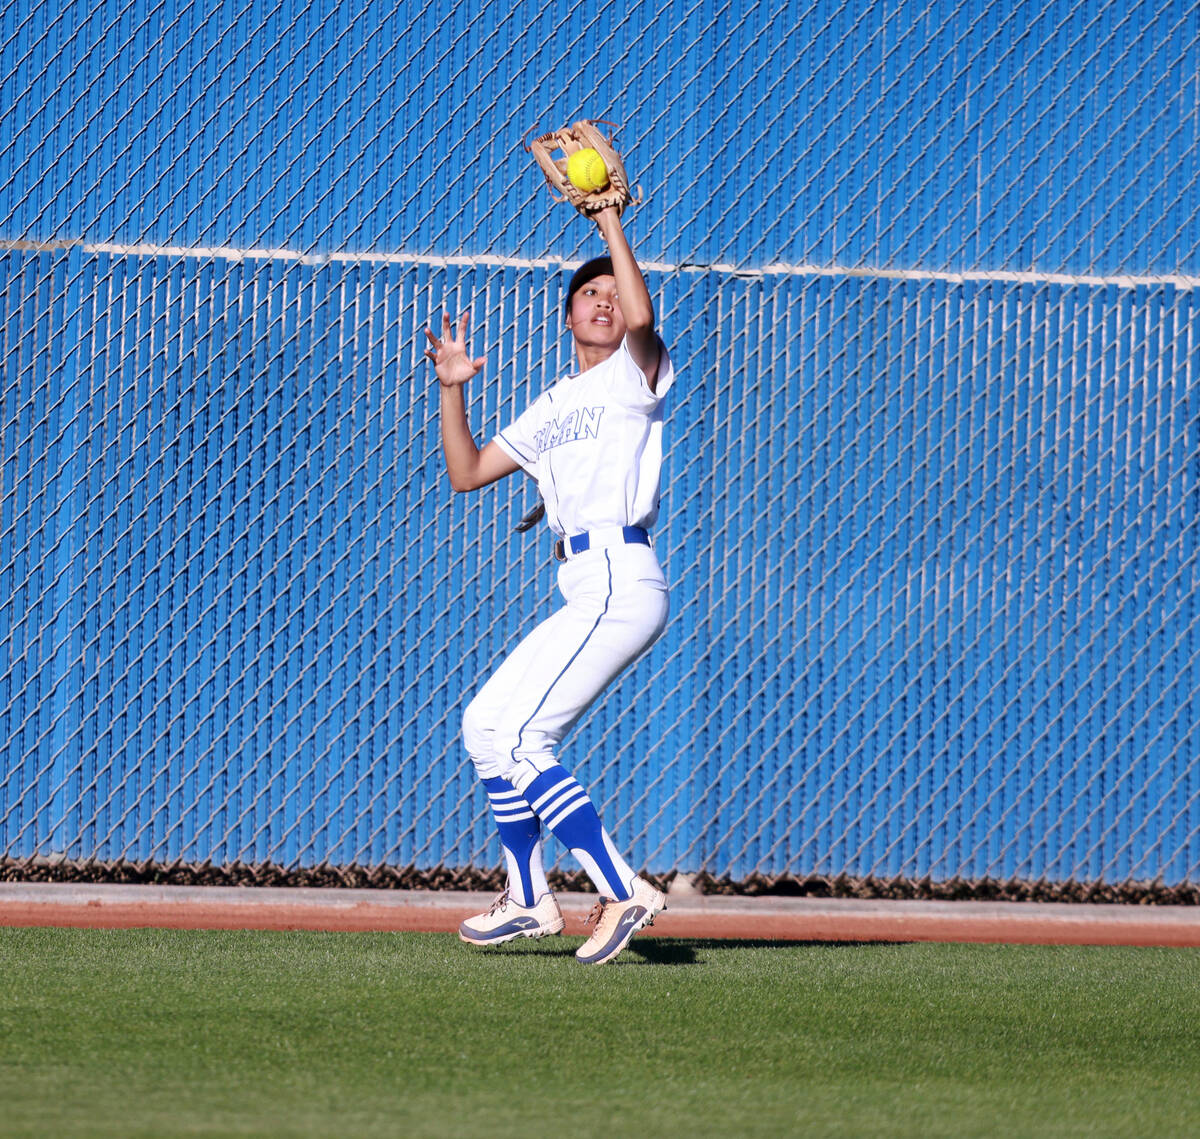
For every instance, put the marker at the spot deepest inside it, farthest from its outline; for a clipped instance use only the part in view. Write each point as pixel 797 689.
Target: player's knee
pixel 478 736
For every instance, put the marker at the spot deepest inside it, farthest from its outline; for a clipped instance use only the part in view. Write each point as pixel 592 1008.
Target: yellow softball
pixel 586 170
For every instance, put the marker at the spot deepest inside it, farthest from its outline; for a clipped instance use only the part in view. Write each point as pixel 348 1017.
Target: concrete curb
pixel 687 915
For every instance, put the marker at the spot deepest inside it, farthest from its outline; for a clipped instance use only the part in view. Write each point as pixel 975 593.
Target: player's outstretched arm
pixel 632 294
pixel 468 466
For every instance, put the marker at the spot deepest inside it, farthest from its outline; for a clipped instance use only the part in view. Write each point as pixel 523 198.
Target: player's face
pixel 595 318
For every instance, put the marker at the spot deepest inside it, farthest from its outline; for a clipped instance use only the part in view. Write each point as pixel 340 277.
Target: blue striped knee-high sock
pixel 521 836
pixel 567 811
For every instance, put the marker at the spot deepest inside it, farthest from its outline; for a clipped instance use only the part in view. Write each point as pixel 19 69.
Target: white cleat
pixel 617 922
pixel 506 920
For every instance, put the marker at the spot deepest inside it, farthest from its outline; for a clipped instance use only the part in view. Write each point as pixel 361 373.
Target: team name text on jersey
pixel 580 423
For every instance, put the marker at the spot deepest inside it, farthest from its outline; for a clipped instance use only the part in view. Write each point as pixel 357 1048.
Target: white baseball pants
pixel 616 607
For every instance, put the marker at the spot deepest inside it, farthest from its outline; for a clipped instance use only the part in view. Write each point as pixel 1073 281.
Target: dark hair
pixel 588 271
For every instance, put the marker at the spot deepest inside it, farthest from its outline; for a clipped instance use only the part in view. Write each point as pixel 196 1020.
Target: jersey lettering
pixel 610 473
pixel 581 423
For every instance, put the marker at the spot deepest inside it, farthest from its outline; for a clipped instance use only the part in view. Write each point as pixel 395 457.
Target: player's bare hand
pixel 449 354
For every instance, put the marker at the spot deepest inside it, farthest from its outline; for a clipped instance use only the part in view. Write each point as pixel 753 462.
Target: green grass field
pixel 147 1032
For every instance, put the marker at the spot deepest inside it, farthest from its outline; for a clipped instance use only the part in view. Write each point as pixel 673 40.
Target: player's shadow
pixel 682 951
pixel 675 950
pixel 651 950
pixel 664 951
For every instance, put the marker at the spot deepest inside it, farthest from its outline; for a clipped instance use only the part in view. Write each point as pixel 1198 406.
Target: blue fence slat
pixel 930 520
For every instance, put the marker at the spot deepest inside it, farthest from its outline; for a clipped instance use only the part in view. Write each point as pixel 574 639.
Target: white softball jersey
pixel 593 442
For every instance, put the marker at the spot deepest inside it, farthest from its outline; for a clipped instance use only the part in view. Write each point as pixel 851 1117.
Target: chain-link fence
pixel 930 274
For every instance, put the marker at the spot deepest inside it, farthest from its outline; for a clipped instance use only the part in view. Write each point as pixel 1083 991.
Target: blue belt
pixel 579 543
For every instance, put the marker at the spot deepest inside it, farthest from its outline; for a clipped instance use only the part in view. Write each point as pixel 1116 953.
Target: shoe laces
pixel 597 913
pixel 501 903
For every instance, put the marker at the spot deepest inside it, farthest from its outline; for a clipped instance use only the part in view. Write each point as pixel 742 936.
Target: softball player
pixel 593 442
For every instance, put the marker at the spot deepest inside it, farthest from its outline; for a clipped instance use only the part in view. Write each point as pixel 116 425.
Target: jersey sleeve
pixel 518 441
pixel 630 386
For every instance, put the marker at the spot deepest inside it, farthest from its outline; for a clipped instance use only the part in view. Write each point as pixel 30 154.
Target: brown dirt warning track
pixel 687 916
